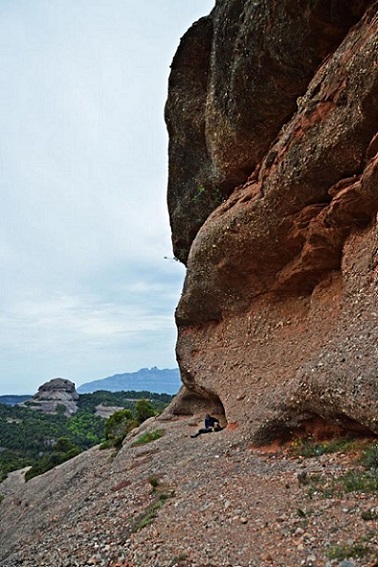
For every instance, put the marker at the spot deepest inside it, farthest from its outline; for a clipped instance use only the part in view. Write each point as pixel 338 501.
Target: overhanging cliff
pixel 273 193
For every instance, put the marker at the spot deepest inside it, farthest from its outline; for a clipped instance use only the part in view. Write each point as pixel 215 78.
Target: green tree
pixel 144 410
pixel 63 445
pixel 63 450
pixel 119 424
pixel 86 429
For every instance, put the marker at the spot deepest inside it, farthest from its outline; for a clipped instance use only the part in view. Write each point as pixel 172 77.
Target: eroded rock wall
pixel 234 83
pixel 278 317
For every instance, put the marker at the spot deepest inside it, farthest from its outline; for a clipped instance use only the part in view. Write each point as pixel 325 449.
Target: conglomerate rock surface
pixel 212 501
pixel 273 194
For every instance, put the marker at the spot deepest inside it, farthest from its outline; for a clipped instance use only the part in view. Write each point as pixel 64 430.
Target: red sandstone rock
pixel 278 317
pixel 235 81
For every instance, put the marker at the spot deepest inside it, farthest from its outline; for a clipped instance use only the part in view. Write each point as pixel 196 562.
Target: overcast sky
pixel 88 285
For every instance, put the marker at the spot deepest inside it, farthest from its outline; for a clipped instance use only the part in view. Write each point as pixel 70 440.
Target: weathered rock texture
pixel 54 394
pixel 224 505
pixel 273 196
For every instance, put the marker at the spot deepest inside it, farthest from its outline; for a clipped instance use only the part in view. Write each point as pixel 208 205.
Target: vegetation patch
pixel 161 492
pixel 117 427
pixel 29 436
pixel 345 551
pixel 301 513
pixel 62 451
pixel 369 457
pixel 359 481
pixel 149 515
pixel 121 422
pixel 307 447
pixel 356 480
pixel 126 400
pixel 154 482
pixel 351 481
pixel 109 444
pixel 207 195
pixel 148 436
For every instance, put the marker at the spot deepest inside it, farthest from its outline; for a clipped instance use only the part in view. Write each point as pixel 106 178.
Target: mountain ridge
pixel 152 379
pixel 155 380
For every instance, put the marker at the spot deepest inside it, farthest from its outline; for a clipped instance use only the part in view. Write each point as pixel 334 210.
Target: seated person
pixel 211 424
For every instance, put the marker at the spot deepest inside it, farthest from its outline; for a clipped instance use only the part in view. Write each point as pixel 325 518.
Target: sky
pixel 88 283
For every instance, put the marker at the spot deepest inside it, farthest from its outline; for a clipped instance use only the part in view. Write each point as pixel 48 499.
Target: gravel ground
pixel 212 501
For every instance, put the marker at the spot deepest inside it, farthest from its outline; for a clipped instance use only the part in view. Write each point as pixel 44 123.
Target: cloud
pixel 89 336
pixel 86 290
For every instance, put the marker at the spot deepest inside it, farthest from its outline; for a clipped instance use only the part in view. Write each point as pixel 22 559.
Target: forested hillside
pixel 27 436
pixel 11 400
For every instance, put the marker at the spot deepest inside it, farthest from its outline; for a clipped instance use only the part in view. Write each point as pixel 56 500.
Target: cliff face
pixel 273 193
pixel 54 394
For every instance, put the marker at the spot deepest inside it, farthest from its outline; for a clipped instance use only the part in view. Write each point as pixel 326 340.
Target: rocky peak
pixel 54 393
pixel 57 389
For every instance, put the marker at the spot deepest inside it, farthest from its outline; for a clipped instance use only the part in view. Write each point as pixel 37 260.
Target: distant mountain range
pixel 155 380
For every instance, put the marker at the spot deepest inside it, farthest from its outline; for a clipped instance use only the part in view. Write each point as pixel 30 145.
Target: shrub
pixel 108 444
pixel 369 458
pixel 143 410
pixel 119 424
